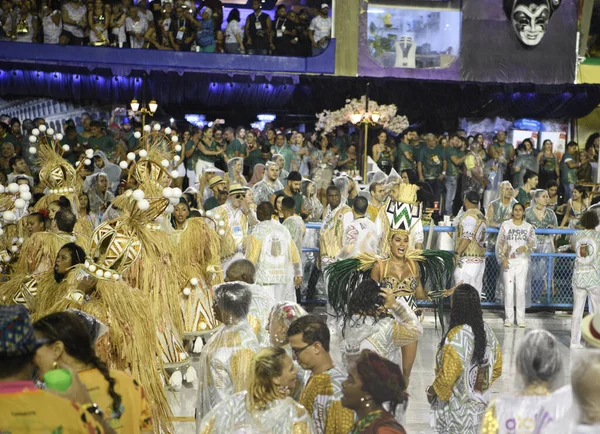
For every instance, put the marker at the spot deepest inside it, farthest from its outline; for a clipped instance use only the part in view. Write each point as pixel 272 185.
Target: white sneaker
pixel 507 324
pixel 522 325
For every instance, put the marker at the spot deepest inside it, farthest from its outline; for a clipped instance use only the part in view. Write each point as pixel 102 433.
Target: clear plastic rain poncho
pixel 263 189
pixel 525 161
pixel 99 200
pixel 235 171
pixel 112 170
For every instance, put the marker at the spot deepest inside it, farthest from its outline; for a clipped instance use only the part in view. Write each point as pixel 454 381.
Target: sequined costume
pixel 462 386
pixel 471 226
pixel 281 416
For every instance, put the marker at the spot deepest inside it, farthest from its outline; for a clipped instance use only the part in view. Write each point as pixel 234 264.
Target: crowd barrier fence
pixel 550 273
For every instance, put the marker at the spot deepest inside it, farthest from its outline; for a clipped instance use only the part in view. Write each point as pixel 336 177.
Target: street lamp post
pixel 367 119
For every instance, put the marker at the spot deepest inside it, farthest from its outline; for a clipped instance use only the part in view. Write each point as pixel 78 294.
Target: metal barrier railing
pixel 550 273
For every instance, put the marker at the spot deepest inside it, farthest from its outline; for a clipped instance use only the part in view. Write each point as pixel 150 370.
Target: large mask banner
pixel 519 41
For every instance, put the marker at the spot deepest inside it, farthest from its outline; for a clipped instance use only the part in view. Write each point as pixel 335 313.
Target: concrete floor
pixel 417 415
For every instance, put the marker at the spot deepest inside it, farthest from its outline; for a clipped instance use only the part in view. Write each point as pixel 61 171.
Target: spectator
pixel 51 23
pixel 101 142
pixel 7 151
pixel 259 155
pixel 568 169
pixel 548 164
pixel 456 157
pixel 319 30
pixel 19 168
pixel 530 182
pixel 304 48
pixel 74 18
pixel 233 147
pixel 144 12
pixel 285 33
pixel 23 23
pixel 431 167
pixel 234 37
pixel 98 20
pixel 584 171
pixel 181 33
pixel 258 31
pixel 205 36
pixel 524 162
pixel 135 27
pixel 118 36
pixel 157 36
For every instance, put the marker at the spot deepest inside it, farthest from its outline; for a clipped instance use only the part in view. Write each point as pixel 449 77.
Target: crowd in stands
pixel 179 26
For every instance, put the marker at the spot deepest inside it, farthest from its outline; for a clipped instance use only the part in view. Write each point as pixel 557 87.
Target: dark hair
pixel 551 183
pixel 65 220
pixel 265 211
pixel 332 189
pixel 233 298
pixel 281 7
pixel 265 149
pixel 467 311
pixel 70 129
pixel 294 176
pixel 589 143
pixel 360 205
pixel 88 208
pixel 288 203
pixel 313 329
pixel 62 202
pixel 382 379
pixel 11 366
pixel 472 196
pixel 518 204
pixel 187 205
pixel 572 143
pixel 581 189
pixel 373 186
pixel 15 121
pixel 13 160
pixel 96 124
pixel 528 175
pixel 41 218
pixel 589 220
pixel 411 175
pixel 70 329
pixel 365 301
pixel 77 257
pixel 191 200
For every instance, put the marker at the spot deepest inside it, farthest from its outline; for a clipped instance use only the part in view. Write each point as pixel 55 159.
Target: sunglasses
pixel 238 196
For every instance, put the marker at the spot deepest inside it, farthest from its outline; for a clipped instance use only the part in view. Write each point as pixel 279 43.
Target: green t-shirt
pixel 11 138
pixel 104 143
pixel 400 160
pixel 254 158
pixel 297 198
pixel 453 169
pixel 567 175
pixel 211 147
pixel 432 160
pixel 211 203
pixel 236 146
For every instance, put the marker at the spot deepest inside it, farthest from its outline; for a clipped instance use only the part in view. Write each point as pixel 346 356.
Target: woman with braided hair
pixel 266 407
pixel 374 389
pixel 468 361
pixel 68 341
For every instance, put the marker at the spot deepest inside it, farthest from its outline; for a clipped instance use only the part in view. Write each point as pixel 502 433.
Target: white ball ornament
pixel 42 128
pixel 35 132
pixel 59 136
pixel 14 249
pixel 23 188
pixel 2 188
pixel 20 203
pixel 71 190
pixel 175 139
pixel 130 156
pixel 21 240
pixel 174 174
pixel 116 276
pixel 178 148
pixel 32 150
pixel 169 209
pixel 177 192
pixel 86 264
pixel 159 220
pixel 13 187
pixel 77 163
pixel 50 132
pixel 9 216
pixel 1 231
pixel 87 162
pixel 138 194
pixel 156 127
pixel 194 281
pixel 221 232
pixel 107 274
pixel 176 158
pixel 164 163
pixel 26 195
pixel 143 205
pixel 123 165
pixel 221 223
pixel 66 148
pixel 89 153
pixel 99 273
pixel 32 139
pixel 167 192
pixel 92 268
pixel 143 153
pixel 147 128
pixel 137 134
pixel 203 326
pixel 173 201
pixel 209 213
pixel 168 131
pixel 187 292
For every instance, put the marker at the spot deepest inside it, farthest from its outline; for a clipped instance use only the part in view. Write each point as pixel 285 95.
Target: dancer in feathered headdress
pixel 409 273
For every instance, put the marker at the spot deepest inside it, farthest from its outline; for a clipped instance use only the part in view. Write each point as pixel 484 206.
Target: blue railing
pixel 550 273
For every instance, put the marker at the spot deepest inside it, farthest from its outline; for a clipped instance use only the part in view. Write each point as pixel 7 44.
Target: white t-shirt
pixel 76 14
pixel 138 28
pixel 51 31
pixel 232 29
pixel 511 237
pixel 321 27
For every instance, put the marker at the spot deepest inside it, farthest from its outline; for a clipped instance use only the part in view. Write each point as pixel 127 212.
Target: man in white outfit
pixel 470 243
pixel 516 241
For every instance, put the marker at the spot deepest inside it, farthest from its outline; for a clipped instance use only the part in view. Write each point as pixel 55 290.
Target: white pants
pixel 470 273
pixel 192 179
pixel 579 296
pixel 281 292
pixel 515 283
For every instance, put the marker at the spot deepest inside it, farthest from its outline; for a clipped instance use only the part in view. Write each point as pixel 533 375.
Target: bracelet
pixel 93 409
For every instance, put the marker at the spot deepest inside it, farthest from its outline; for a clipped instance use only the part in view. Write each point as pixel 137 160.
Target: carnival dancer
pixel 540 368
pixel 516 241
pixel 586 273
pixel 309 339
pixel 264 189
pixel 468 361
pixel 266 406
pixel 361 236
pixel 271 249
pixel 470 243
pixel 235 230
pixel 336 220
pixel 375 389
pixel 226 357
